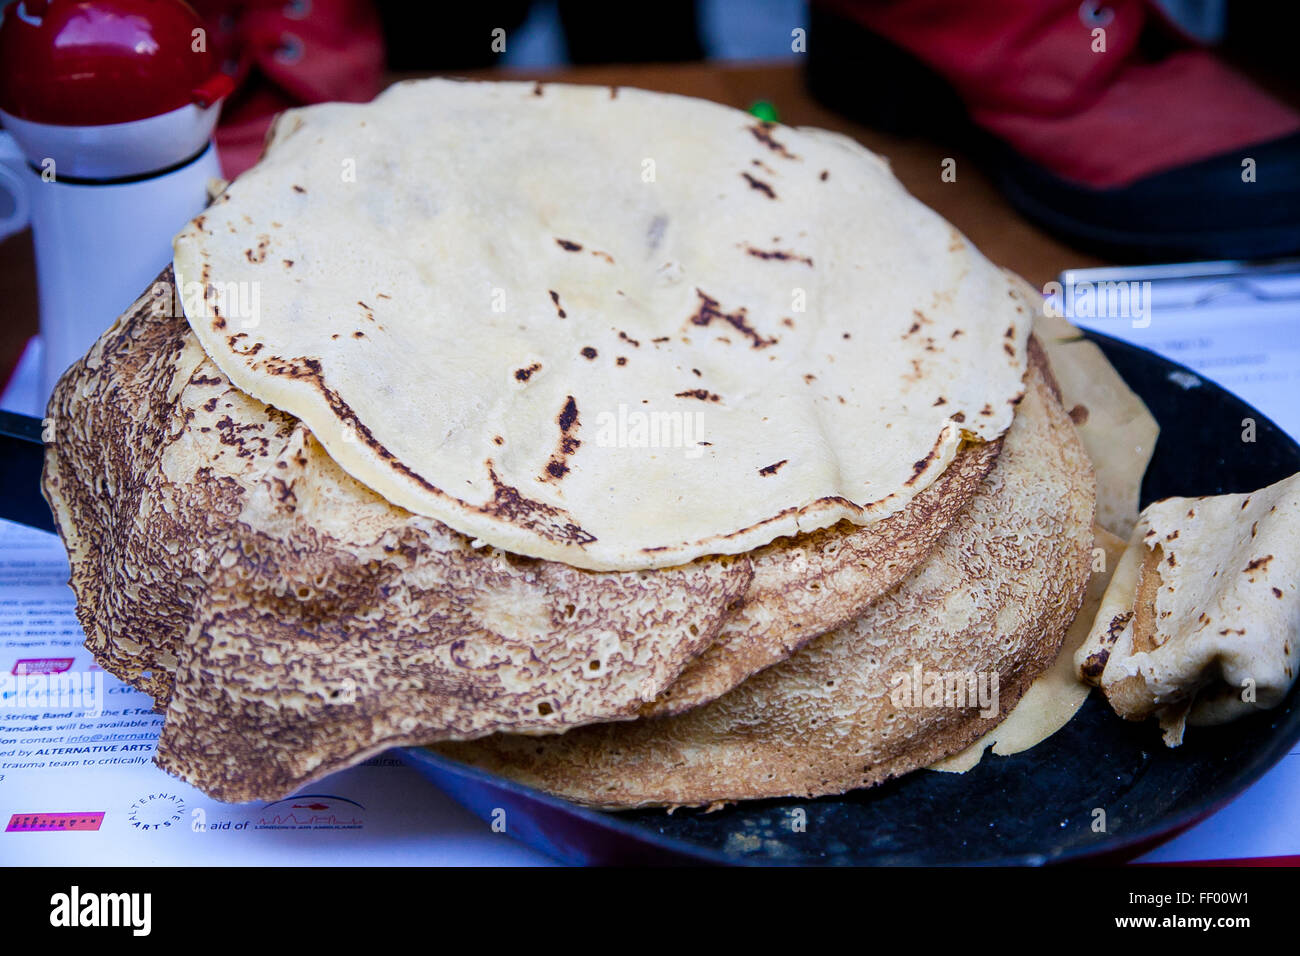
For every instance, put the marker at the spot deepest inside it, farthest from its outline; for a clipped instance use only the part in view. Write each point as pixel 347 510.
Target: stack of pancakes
pixel 395 503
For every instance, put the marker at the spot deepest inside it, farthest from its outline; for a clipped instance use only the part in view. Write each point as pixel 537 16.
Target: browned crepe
pixel 1056 696
pixel 995 597
pixel 290 621
pixel 220 558
pixel 811 584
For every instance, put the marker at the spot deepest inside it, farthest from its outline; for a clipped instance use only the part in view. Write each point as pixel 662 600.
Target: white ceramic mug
pixel 104 203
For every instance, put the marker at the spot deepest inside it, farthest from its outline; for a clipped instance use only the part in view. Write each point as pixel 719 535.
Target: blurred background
pixel 1082 134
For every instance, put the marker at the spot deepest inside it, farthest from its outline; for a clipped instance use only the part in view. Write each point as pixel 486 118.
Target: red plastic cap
pixel 69 63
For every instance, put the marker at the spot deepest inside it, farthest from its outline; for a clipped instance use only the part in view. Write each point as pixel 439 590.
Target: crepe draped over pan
pixel 1199 624
pixel 1117 431
pixel 1119 434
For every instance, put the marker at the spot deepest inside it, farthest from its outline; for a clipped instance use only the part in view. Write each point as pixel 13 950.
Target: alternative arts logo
pixel 156 811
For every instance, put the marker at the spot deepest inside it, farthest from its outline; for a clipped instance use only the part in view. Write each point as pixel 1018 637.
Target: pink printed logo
pixel 43 665
pixel 43 822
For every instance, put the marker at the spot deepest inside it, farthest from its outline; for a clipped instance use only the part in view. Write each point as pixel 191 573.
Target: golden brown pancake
pixel 224 564
pixel 812 583
pixel 993 600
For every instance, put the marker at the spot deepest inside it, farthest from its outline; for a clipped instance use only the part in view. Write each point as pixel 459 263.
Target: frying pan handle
pixel 21 456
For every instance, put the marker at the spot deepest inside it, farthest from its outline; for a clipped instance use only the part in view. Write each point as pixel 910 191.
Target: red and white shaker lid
pixel 108 89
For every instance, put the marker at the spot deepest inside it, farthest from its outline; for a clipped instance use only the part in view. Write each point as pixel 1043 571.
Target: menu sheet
pixel 77 785
pixel 1235 324
pixel 77 779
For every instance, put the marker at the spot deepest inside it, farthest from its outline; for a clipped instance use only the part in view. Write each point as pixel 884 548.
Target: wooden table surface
pixel 970 203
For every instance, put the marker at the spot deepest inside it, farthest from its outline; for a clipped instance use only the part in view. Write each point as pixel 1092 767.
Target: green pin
pixel 765 111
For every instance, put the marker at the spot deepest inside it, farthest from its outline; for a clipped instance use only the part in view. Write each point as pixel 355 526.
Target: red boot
pixel 1085 128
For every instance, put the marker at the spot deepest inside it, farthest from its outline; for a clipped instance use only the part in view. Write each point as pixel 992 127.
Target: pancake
pixel 810 584
pixel 993 600
pixel 1119 435
pixel 1056 696
pixel 617 329
pixel 213 542
pixel 220 556
pixel 1199 623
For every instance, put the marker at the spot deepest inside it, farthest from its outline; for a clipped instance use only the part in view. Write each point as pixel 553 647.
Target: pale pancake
pixel 1117 430
pixel 994 598
pixel 547 277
